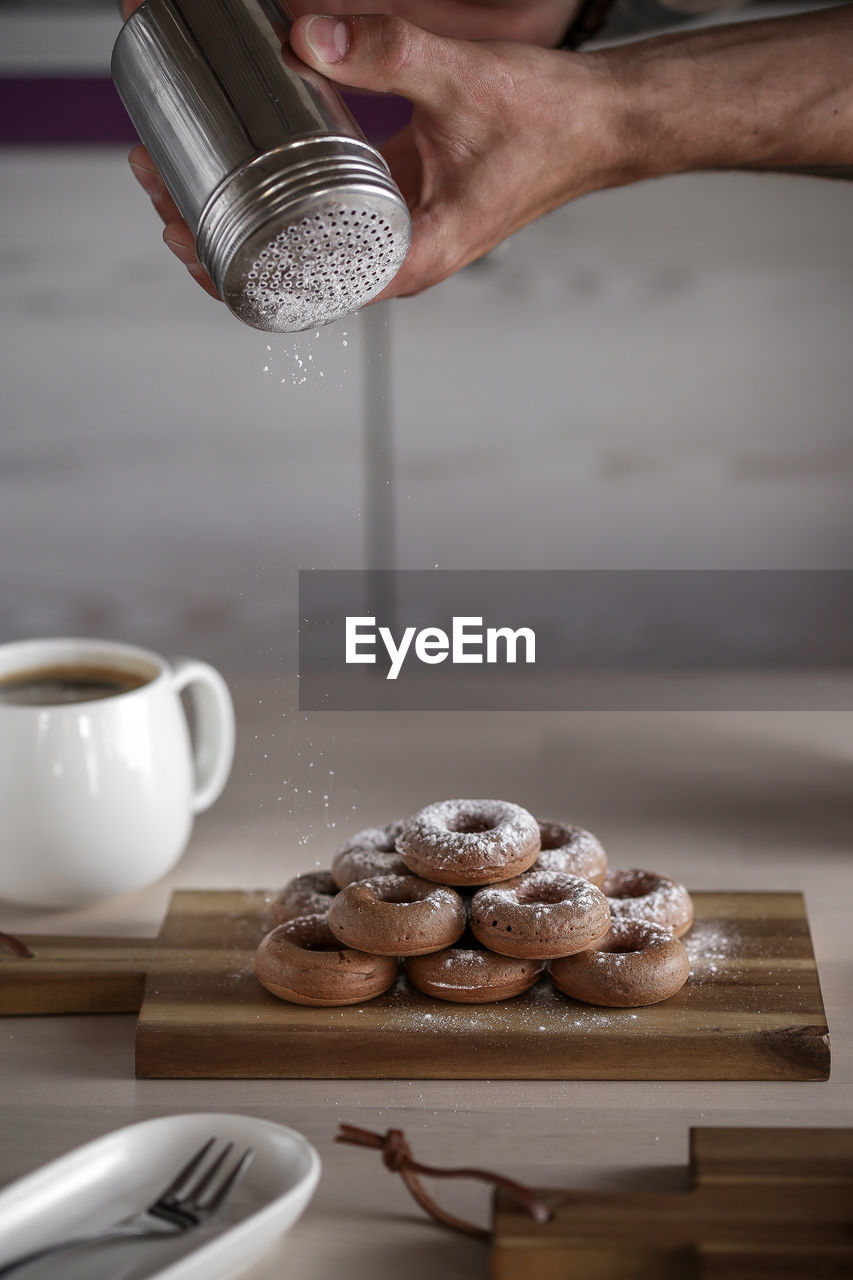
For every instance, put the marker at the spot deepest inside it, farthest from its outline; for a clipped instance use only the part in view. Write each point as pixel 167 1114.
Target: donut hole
pixel 617 947
pixel 467 824
pixel 551 836
pixel 321 882
pixel 402 895
pixel 540 894
pixel 627 887
pixel 387 841
pixel 310 933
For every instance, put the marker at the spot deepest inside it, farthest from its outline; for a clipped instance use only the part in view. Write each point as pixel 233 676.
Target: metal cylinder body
pixel 295 215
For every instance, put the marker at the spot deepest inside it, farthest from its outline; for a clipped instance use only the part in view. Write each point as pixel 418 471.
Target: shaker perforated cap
pixel 296 217
pixel 311 242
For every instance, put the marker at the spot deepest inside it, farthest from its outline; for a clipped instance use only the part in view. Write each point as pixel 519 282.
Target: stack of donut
pixel 477 898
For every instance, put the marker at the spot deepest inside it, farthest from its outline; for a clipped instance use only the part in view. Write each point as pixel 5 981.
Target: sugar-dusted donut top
pixel 403 891
pixel 479 832
pixel 569 848
pixel 538 893
pixel 473 969
pixel 376 839
pixel 645 895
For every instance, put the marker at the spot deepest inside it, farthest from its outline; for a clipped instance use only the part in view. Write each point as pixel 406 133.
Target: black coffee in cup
pixel 55 686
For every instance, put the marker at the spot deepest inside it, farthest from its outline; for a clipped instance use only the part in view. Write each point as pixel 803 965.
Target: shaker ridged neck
pixel 305 234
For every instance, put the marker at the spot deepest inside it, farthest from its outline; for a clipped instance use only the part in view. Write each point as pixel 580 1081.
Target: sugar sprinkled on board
pixel 711 949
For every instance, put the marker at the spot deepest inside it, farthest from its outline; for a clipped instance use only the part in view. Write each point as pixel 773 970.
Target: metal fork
pixel 191 1198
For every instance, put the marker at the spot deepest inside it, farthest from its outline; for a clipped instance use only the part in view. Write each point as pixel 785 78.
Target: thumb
pixel 376 51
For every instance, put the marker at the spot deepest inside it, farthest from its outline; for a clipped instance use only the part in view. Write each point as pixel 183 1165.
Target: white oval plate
pixel 121 1173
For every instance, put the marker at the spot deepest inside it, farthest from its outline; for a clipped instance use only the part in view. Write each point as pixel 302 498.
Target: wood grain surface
pixel 762 1203
pixel 752 1009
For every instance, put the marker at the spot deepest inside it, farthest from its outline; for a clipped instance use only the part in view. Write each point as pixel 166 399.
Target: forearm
pixel 772 95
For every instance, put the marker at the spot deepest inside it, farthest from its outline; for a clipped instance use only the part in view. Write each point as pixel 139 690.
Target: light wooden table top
pixel 721 800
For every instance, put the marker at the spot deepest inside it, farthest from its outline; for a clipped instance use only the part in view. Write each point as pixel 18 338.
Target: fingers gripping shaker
pixel 296 217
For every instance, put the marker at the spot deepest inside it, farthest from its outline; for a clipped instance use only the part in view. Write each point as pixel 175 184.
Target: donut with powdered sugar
pixel 306 895
pixel 636 963
pixel 372 852
pixel 571 850
pixel 540 915
pixel 397 916
pixel 303 962
pixel 634 894
pixel 461 842
pixel 467 973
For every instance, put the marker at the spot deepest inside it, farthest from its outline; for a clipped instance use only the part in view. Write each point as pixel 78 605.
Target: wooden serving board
pixel 752 1009
pixel 763 1204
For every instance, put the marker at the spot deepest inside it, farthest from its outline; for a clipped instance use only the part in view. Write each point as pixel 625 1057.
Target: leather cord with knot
pixel 397 1156
pixel 16 945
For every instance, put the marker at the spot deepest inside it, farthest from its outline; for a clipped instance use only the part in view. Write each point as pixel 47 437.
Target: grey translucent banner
pixel 449 640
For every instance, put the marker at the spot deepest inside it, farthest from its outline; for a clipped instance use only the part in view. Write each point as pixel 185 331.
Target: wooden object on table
pixel 763 1203
pixel 752 1009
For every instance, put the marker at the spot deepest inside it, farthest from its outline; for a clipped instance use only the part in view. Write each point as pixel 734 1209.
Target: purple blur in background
pixel 86 111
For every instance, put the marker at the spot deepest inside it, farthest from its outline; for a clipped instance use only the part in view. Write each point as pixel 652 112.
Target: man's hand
pixel 541 22
pixel 502 132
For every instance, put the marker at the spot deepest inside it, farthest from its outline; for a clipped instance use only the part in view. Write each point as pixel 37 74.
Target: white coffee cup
pixel 100 781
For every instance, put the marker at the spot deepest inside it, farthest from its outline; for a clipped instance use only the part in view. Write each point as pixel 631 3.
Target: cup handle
pixel 213 748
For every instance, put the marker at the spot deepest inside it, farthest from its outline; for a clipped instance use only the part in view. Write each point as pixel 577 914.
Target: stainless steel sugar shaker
pixel 296 217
